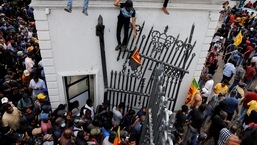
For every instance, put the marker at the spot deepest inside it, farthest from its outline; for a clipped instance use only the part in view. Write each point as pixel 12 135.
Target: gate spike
pixel 166 29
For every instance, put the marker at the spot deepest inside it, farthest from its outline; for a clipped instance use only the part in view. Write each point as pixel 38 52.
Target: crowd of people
pixel 26 116
pixel 214 112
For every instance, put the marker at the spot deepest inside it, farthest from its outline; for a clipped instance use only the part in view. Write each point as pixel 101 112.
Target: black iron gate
pixel 134 87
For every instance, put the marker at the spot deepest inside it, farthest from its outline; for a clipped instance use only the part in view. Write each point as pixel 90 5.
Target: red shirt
pixel 249 97
pixel 249 73
pixel 249 50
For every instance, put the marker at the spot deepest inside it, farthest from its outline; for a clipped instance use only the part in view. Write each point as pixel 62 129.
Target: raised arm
pixel 116 3
pixel 134 27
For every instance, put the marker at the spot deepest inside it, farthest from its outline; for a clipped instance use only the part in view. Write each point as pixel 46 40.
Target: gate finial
pixel 166 29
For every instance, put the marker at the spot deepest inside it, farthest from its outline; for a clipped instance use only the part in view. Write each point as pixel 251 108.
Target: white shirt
pixel 40 84
pixel 208 85
pixel 29 63
pixel 106 141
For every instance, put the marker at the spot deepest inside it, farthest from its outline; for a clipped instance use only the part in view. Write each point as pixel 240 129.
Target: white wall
pixel 69 45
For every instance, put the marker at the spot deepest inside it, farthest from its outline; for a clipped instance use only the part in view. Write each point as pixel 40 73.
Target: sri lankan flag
pixel 117 138
pixel 238 39
pixel 192 91
pixel 135 60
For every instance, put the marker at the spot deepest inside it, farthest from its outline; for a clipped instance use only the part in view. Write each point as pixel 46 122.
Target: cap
pixel 209 76
pixel 41 96
pixel 18 136
pixel 47 137
pixel 43 116
pixel 25 95
pixel 251 29
pixel 221 37
pixel 26 73
pixel 129 5
pixel 241 84
pixel 20 53
pixel 95 131
pixel 4 100
pixel 61 113
pixel 36 131
pixel 202 136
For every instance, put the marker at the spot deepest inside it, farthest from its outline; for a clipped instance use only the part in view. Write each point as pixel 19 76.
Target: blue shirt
pixel 232 104
pixel 229 69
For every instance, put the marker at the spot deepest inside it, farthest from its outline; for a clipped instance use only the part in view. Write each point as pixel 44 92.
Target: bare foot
pixel 165 10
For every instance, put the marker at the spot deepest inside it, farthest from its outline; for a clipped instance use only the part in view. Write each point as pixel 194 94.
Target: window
pixel 76 85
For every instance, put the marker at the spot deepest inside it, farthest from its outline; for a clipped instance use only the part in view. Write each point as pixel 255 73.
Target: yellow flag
pixel 238 39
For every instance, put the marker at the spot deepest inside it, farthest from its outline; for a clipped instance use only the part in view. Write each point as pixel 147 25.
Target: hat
pixel 204 91
pixel 202 136
pixel 241 84
pixel 25 95
pixel 251 29
pixel 26 73
pixel 18 136
pixel 41 96
pixel 46 107
pixel 61 113
pixel 43 116
pixel 4 100
pixel 95 131
pixel 47 137
pixel 20 53
pixel 209 76
pixel 221 37
pixel 36 131
pixel 129 5
pixel 2 15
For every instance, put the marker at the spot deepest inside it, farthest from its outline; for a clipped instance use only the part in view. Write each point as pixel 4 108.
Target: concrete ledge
pixel 184 4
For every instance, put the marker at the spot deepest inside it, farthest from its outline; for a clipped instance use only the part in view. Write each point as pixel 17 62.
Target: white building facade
pixel 70 48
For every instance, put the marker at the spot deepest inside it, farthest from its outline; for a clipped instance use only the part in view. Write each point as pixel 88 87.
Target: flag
pixel 192 91
pixel 117 137
pixel 238 38
pixel 135 60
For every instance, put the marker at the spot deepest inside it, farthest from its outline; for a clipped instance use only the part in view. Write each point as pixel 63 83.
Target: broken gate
pixel 134 87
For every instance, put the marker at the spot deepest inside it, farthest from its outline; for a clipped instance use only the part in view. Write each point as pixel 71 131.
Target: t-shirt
pixel 232 104
pixel 229 69
pixel 249 73
pixel 218 88
pixel 181 119
pixel 117 116
pixel 209 86
pixel 197 118
pixel 126 15
pixel 252 106
pixel 12 119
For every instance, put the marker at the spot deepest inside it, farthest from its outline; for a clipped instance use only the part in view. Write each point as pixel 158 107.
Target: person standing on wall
pixel 69 7
pixel 164 8
pixel 126 12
